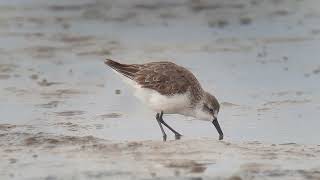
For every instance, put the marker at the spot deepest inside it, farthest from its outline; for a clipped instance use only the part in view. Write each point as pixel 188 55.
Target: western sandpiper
pixel 169 89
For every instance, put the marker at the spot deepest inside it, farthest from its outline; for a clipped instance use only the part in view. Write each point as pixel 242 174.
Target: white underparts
pixel 168 104
pixel 175 104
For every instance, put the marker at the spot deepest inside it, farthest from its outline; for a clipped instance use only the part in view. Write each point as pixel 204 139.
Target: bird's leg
pixel 177 135
pixel 163 132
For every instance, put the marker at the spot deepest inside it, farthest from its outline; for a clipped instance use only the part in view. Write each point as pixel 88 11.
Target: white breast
pixel 167 104
pixel 177 104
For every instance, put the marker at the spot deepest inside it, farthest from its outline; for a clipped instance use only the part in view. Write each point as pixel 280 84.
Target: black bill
pixel 216 124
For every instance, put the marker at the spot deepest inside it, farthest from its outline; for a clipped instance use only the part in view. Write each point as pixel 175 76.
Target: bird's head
pixel 208 109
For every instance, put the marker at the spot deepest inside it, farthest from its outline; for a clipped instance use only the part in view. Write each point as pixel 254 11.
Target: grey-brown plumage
pixel 165 77
pixel 171 89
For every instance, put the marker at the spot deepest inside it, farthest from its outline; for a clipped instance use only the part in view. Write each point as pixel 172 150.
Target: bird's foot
pixel 164 138
pixel 177 136
pixel 220 137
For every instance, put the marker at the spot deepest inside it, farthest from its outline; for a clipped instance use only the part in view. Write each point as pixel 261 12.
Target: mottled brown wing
pixel 127 70
pixel 167 78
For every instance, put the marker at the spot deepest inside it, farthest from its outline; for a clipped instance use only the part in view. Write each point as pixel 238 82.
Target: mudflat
pixel 65 115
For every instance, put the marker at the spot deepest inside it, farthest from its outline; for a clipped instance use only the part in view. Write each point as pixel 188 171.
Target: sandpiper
pixel 169 89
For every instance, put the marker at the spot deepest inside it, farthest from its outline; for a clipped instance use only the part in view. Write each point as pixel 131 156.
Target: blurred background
pixel 259 57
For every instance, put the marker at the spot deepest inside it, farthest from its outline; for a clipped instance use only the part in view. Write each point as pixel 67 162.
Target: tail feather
pixel 112 63
pixel 125 69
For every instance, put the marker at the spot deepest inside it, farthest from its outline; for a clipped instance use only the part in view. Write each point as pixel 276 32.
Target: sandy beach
pixel 65 115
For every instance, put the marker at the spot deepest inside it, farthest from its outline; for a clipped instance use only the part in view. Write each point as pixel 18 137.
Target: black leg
pixel 163 132
pixel 177 135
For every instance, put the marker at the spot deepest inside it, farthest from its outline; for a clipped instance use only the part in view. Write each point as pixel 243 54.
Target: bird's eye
pixel 208 109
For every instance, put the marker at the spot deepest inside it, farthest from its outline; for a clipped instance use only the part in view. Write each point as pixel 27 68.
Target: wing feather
pixel 164 77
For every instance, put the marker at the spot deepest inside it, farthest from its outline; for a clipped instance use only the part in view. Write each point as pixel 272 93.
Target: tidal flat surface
pixel 65 115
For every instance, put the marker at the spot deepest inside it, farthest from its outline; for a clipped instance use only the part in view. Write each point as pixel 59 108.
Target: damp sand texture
pixel 65 115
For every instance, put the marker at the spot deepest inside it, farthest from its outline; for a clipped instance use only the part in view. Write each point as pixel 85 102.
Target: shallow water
pixel 264 71
pixel 267 75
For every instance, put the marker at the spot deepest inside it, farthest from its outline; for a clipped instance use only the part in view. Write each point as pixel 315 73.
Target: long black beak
pixel 216 124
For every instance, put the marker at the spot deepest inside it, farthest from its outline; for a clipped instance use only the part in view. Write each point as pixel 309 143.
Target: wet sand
pixel 64 115
pixel 45 156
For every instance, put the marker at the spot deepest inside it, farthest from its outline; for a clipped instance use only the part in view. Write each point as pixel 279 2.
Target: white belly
pixel 177 104
pixel 168 104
